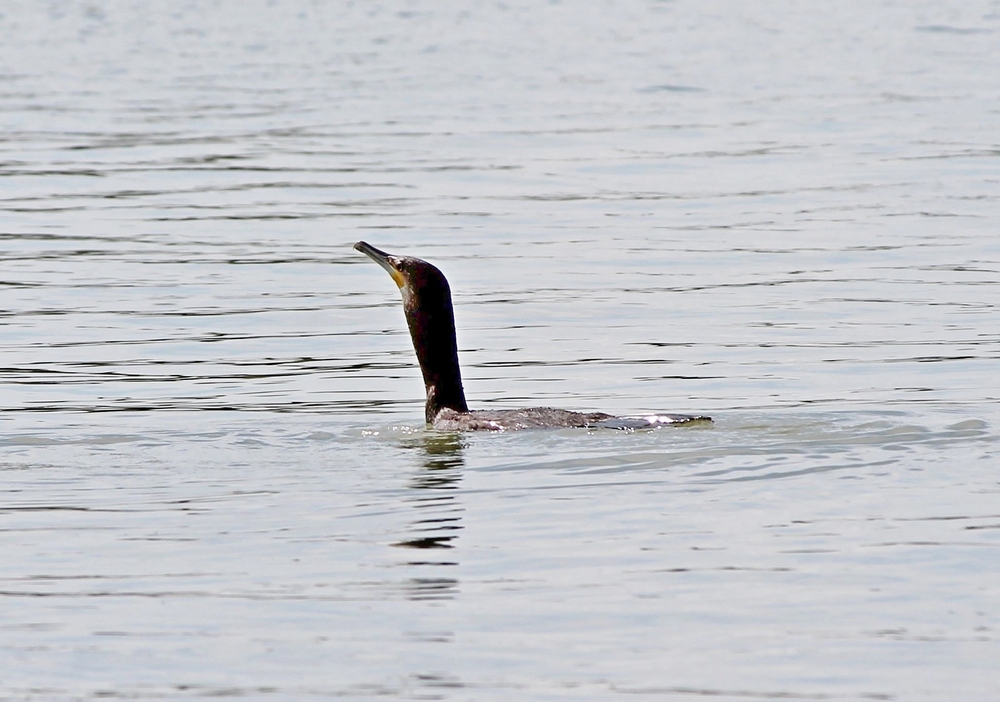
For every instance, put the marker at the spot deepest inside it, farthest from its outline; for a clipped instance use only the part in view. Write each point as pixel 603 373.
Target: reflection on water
pixel 437 502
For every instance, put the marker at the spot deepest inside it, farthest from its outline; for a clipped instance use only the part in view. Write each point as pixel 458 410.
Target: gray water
pixel 216 481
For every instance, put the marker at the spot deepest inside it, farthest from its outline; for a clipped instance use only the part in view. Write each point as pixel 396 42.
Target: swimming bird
pixel 431 319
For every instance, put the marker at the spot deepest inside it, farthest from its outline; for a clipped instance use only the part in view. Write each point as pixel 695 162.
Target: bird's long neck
pixel 432 327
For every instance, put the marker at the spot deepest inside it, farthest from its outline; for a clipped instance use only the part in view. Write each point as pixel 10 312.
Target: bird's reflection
pixel 437 483
pixel 439 512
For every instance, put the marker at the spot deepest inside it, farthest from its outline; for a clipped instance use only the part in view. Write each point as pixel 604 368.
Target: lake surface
pixel 215 477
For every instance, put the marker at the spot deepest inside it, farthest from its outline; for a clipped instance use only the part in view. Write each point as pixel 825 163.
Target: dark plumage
pixel 429 314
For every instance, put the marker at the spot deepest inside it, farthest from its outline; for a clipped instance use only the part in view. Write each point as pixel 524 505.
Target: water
pixel 216 481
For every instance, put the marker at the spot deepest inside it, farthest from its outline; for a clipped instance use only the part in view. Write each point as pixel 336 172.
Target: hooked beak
pixel 383 259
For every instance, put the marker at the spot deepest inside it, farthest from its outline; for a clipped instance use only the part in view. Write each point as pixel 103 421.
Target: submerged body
pixel 431 319
pixel 548 417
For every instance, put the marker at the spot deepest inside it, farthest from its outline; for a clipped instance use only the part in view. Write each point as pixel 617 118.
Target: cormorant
pixel 429 314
